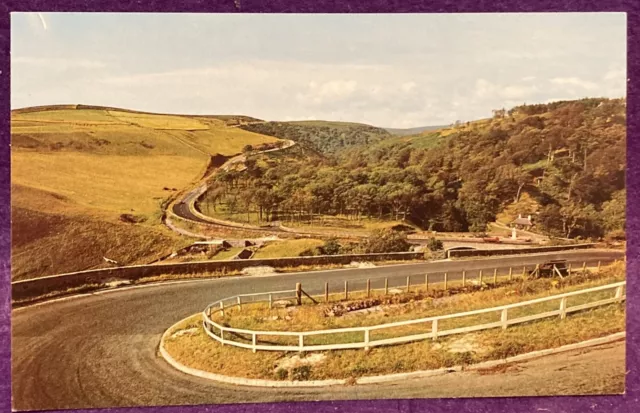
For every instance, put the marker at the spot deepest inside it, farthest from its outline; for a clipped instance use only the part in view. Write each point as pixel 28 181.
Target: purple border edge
pixel 627 403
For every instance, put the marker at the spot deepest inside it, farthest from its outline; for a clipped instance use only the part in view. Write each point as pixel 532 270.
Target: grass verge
pixel 288 248
pixel 195 349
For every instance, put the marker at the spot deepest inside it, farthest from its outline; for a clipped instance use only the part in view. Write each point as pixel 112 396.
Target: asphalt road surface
pixel 100 349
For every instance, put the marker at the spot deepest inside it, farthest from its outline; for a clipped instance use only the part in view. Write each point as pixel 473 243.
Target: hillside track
pixel 100 349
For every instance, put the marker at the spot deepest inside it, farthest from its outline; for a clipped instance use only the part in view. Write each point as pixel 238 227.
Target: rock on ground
pixel 294 361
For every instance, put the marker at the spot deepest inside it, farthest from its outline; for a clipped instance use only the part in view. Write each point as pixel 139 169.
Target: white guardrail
pixel 211 327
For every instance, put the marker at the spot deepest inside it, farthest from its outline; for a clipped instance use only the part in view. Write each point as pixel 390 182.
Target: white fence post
pixel 434 329
pixel 270 301
pixel 366 339
pixel 464 278
pixel 563 308
pixel 510 273
pixel 253 341
pixel 301 341
pixel 222 308
pixel 503 318
pixel 619 293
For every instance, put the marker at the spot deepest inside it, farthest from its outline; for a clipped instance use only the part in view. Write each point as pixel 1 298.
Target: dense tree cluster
pixel 568 156
pixel 324 137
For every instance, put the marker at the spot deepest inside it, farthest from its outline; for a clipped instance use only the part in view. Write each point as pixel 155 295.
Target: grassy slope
pixel 288 248
pixel 74 172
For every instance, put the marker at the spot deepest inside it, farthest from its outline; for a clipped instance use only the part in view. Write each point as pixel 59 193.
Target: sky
pixel 400 70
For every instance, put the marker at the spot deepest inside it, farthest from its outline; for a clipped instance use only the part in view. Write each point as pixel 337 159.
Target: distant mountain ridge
pixel 46 108
pixel 413 131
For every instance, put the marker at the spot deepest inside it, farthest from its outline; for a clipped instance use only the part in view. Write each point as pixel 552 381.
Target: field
pixel 90 183
pixel 159 121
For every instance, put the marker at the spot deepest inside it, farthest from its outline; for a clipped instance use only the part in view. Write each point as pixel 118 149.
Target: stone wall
pixel 532 250
pixel 29 289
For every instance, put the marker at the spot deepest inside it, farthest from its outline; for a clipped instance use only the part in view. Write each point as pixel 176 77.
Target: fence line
pixel 211 327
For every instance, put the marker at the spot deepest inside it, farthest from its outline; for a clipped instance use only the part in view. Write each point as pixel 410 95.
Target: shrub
pixel 132 219
pixel 507 348
pixel 351 248
pixel 435 244
pixel 359 370
pixel 281 374
pixel 331 247
pixel 465 358
pixel 398 365
pixel 386 240
pixel 301 373
pixel 403 228
pixel 617 235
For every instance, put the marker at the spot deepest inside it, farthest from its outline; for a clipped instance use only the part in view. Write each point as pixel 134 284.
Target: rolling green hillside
pixel 326 137
pixel 562 162
pixel 89 182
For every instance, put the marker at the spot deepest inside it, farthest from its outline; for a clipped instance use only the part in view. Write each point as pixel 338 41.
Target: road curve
pixel 100 350
pixel 181 208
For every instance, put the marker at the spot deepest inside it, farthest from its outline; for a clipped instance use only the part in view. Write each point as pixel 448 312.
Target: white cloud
pixel 379 94
pixel 574 81
pixel 396 71
pixel 486 89
pixel 518 92
pixel 408 86
pixel 615 74
pixel 331 90
pixel 57 63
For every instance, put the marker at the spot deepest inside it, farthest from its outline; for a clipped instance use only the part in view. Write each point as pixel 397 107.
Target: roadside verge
pixel 240 381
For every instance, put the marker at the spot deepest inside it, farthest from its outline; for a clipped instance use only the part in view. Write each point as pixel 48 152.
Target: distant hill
pixel 88 182
pixel 413 131
pixel 324 136
pixel 234 119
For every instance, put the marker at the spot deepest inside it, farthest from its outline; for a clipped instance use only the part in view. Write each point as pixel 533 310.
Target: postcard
pixel 240 208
